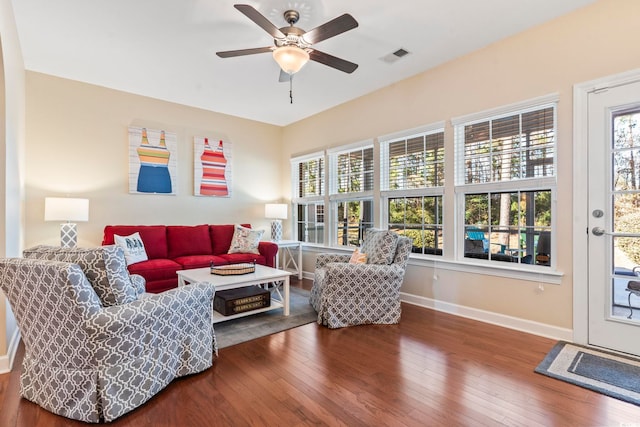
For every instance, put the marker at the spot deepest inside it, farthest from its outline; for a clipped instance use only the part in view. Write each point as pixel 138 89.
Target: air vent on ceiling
pixel 394 56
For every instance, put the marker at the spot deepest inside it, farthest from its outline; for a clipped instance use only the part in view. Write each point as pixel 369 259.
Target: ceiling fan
pixel 293 46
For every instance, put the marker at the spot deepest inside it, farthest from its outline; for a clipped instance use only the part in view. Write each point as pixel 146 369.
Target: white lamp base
pixel 276 230
pixel 68 235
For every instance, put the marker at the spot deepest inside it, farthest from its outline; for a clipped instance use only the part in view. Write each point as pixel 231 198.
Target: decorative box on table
pixel 234 301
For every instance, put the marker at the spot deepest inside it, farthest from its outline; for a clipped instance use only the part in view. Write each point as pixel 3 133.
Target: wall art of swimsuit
pixel 152 161
pixel 211 167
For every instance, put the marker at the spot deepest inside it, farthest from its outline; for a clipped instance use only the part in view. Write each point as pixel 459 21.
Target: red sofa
pixel 180 247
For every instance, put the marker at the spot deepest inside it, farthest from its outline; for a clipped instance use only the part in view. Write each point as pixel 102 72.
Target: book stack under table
pixel 240 300
pixel 276 280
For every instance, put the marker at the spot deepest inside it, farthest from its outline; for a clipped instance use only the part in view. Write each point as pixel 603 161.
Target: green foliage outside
pixel 477 209
pixel 419 212
pixel 421 239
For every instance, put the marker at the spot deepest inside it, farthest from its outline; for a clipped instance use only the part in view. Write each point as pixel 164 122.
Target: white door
pixel 614 217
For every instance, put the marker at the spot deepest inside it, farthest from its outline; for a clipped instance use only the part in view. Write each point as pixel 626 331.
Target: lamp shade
pixel 66 209
pixel 275 211
pixel 290 58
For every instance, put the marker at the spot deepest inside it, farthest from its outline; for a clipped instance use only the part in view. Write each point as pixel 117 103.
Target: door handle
pixel 598 231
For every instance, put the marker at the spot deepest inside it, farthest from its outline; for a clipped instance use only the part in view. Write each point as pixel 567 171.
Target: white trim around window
pixel 478 173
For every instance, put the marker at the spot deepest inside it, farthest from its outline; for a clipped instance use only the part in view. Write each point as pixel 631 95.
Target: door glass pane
pixel 625 200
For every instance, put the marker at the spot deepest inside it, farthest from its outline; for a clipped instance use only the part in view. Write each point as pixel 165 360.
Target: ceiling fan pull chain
pixel 291 87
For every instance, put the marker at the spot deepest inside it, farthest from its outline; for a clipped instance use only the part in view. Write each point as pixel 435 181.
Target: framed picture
pixel 152 161
pixel 211 167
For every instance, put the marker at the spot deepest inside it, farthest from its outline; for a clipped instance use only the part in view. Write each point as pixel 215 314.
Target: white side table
pixel 290 261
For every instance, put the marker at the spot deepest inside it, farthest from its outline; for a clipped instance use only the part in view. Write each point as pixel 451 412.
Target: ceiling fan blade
pixel 284 77
pixel 332 28
pixel 332 61
pixel 259 19
pixel 242 52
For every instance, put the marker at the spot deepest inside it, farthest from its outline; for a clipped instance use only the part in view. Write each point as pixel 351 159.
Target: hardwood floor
pixel 431 369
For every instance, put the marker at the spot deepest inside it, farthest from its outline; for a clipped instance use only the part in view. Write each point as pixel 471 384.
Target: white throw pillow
pixel 245 240
pixel 133 247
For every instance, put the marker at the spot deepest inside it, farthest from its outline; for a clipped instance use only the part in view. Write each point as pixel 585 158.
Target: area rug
pixel 607 373
pixel 247 328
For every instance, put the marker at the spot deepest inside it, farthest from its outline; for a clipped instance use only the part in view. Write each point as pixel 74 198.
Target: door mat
pixel 607 373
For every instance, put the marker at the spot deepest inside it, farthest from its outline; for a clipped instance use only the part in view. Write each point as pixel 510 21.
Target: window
pixel 506 181
pixel 502 204
pixel 308 181
pixel 351 192
pixel 413 186
pixel 419 218
pixel 310 222
pixel 310 177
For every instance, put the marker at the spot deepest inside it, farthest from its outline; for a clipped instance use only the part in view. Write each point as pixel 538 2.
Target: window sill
pixel 527 272
pixel 492 268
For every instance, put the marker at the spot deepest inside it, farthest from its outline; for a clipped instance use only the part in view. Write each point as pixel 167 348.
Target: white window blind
pixel 515 145
pixel 352 170
pixel 413 162
pixel 308 175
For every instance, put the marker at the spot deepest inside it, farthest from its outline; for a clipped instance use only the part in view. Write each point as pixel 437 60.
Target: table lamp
pixel 66 209
pixel 276 212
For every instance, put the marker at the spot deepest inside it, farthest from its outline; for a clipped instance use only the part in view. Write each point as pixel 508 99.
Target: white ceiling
pixel 165 49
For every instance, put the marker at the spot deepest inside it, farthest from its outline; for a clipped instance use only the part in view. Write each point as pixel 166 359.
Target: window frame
pixel 334 197
pixel 318 199
pixel 386 194
pixel 462 189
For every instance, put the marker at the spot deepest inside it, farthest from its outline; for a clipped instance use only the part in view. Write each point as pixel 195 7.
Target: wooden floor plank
pixel 431 369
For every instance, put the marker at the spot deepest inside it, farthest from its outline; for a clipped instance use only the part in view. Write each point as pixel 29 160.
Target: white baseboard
pixel 6 361
pixel 516 323
pixel 529 326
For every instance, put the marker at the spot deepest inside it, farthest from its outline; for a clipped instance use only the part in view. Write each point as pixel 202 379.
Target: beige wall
pixel 77 145
pixel 593 42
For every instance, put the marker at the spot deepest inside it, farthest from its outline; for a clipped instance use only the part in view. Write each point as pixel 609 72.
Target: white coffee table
pixel 261 276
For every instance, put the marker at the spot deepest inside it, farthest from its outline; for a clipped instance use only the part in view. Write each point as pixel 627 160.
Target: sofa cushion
pixel 200 261
pixel 132 246
pixel 154 237
pixel 380 246
pixel 156 269
pixel 105 268
pixel 245 240
pixel 221 236
pixel 183 240
pixel 237 258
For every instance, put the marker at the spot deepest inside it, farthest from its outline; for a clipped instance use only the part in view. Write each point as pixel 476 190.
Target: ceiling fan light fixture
pixel 290 58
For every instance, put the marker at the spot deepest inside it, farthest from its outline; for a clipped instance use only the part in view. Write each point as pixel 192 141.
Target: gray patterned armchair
pixel 346 294
pixel 95 351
